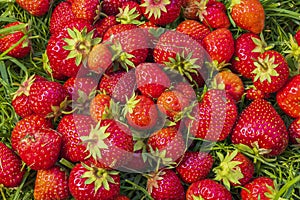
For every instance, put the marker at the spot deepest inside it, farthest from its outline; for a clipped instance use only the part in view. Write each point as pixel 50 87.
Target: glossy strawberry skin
pixel 104 24
pixel 37 8
pixel 260 122
pixel 288 97
pixel 11 173
pixel 51 184
pixel 100 58
pixel 254 93
pixel 246 167
pixel 99 107
pixel 194 166
pixel 110 7
pixel 208 190
pixel 294 131
pixel 81 191
pixel 215 18
pixel 8 40
pixel 257 187
pixel 87 10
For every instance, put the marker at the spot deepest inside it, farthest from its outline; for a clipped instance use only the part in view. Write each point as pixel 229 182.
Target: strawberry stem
pixel 137 187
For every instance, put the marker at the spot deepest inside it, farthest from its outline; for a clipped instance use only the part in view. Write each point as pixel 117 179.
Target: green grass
pixel 282 19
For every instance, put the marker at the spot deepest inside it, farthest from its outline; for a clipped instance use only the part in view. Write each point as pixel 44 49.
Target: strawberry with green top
pixel 294 131
pixel 129 13
pixel 260 188
pixel 36 8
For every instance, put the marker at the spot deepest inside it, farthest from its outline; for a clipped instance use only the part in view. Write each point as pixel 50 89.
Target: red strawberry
pixel 249 15
pixel 214 116
pixel 288 98
pixel 104 24
pixel 207 190
pixel 100 58
pixel 214 17
pixel 294 131
pixel 235 169
pixel 259 124
pixel 271 73
pixel 122 197
pixel 51 184
pixel 260 188
pixel 165 185
pixel 61 16
pixel 111 7
pixel 99 107
pixel 12 37
pixel 40 150
pixel 93 183
pixel 88 10
pixel 297 37
pixel 34 7
pixel 29 124
pixel 161 12
pixel 194 8
pixel 129 13
pixel 194 166
pixel 11 173
pixel 252 93
pixel 220 45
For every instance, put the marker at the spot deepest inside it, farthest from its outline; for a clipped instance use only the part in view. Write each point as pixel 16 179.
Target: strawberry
pixel 61 16
pixel 260 125
pixel 29 124
pixel 294 131
pixel 271 73
pixel 40 149
pixel 166 185
pixel 88 10
pixel 253 93
pixel 234 169
pixel 51 184
pixel 260 188
pixel 194 166
pixel 207 189
pixel 99 107
pixel 93 183
pixel 192 9
pixel 111 7
pixel 100 58
pixel 129 13
pixel 12 37
pixel 297 37
pixel 288 97
pixel 248 15
pixel 50 70
pixel 11 173
pixel 213 117
pixel 35 8
pixel 104 24
pixel 220 45
pixel 161 12
pixel 122 197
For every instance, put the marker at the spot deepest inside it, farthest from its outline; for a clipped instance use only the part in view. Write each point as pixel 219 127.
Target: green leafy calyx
pixel 155 7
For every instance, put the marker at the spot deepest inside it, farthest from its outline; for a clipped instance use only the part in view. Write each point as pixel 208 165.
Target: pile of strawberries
pixel 128 94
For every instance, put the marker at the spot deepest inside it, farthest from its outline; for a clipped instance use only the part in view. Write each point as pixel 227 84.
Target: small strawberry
pixel 252 93
pixel 34 7
pixel 129 13
pixel 194 166
pixel 294 131
pixel 248 15
pixel 93 183
pixel 165 185
pixel 51 184
pixel 11 172
pixel 111 7
pixel 88 10
pixel 99 58
pixel 259 124
pixel 297 37
pixel 260 188
pixel 288 98
pixel 12 37
pixel 100 107
pixel 104 24
pixel 207 189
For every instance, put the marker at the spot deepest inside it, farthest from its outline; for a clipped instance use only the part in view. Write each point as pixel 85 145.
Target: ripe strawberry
pixel 36 8
pixel 129 13
pixel 297 37
pixel 213 117
pixel 214 17
pixel 220 45
pixel 260 123
pixel 11 38
pixel 288 97
pixel 194 29
pixel 50 70
pixel 61 16
pixel 88 10
pixel 161 12
pixel 271 73
pixel 29 124
pixel 11 173
pixel 248 15
pixel 51 184
pixel 294 131
pixel 207 189
pixel 100 107
pixel 93 183
pixel 72 127
pixel 111 7
pixel 100 58
pixel 165 185
pixel 252 93
pixel 104 24
pixel 234 169
pixel 259 188
pixel 122 197
pixel 194 166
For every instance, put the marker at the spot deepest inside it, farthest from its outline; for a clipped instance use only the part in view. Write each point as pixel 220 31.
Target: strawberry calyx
pixel 121 56
pixel 100 177
pixel 233 3
pixel 130 104
pixel 155 7
pixel 153 178
pixel 265 69
pixel 199 197
pixel 24 88
pixel 159 159
pixel 228 171
pixel 59 110
pixel 201 6
pixel 128 16
pixel 80 44
pixel 294 49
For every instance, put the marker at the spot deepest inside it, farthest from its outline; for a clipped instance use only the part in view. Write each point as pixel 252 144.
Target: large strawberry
pixel 260 188
pixel 35 7
pixel 260 125
pixel 8 42
pixel 207 189
pixel 248 14
pixel 51 184
pixel 288 98
pixel 93 183
pixel 294 131
pixel 11 173
pixel 130 13
pixel 88 10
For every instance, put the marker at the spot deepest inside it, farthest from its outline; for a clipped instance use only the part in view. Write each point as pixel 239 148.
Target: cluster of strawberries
pixel 129 95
